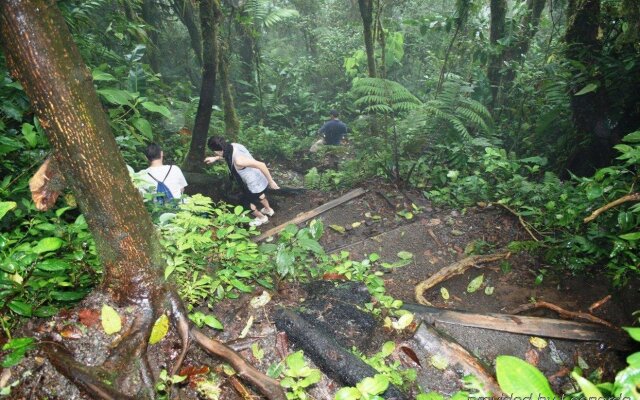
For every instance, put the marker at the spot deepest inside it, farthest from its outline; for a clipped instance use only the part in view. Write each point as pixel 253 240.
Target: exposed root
pixel 524 224
pixel 454 269
pixel 562 312
pixel 599 303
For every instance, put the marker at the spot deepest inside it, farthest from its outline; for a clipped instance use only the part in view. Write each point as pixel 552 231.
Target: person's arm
pixel 211 160
pixel 245 162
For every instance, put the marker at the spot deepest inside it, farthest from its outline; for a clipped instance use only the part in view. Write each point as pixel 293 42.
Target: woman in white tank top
pixel 253 176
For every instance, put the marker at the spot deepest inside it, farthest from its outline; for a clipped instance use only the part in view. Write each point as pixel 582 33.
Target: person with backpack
pixel 252 175
pixel 167 181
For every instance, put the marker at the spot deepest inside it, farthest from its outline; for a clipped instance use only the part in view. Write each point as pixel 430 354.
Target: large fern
pixel 264 15
pixel 383 96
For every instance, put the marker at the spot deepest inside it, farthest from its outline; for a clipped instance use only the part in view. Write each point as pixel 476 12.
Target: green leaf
pixel 21 308
pixel 47 244
pixel 439 362
pixel 241 286
pixel 338 228
pixel 144 127
pixel 102 76
pixel 314 377
pixel 311 245
pixel 29 134
pixel 18 343
pixel 371 386
pixel 160 329
pixel 631 236
pixel 295 361
pixel 153 107
pixel 589 390
pixel 53 265
pixel 213 322
pixel 348 393
pixel 116 96
pixel 475 284
pixel 587 89
pixel 430 396
pixel 111 322
pixel 444 293
pixel 633 137
pixel 6 206
pixel 634 332
pixel 67 296
pixel 373 257
pixel 518 378
pixel 405 255
pixel 275 370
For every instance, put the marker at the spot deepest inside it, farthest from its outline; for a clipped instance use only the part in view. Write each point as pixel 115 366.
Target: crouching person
pixel 252 175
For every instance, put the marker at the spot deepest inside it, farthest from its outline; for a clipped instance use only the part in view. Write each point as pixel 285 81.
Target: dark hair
pixel 334 113
pixel 153 152
pixel 216 143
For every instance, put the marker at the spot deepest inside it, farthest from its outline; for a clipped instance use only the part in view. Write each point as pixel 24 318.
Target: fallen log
pixel 456 268
pixel 435 344
pixel 523 325
pixel 310 214
pixel 333 359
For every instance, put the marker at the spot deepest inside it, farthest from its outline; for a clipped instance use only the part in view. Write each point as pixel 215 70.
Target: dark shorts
pixel 249 198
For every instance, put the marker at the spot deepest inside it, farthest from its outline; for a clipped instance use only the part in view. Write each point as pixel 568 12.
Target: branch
pixel 562 312
pixel 615 203
pixel 522 221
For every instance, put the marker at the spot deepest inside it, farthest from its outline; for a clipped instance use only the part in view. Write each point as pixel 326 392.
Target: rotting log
pixel 435 343
pixel 454 269
pixel 524 325
pixel 333 359
pixel 310 214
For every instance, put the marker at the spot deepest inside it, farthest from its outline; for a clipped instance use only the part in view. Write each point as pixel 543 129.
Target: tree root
pixel 127 369
pixel 562 312
pixel 454 269
pixel 615 203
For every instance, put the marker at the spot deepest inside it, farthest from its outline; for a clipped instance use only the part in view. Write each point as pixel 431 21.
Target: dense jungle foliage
pixel 531 105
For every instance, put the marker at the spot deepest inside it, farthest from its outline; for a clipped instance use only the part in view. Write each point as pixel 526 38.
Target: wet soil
pixel 386 221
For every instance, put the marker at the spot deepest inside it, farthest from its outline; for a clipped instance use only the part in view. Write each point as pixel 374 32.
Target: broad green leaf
pixel 403 321
pixel 111 322
pixel 295 361
pixel 371 386
pixel 18 343
pixel 631 236
pixel 47 244
pixel 589 390
pixel 102 76
pixel 67 296
pixel 314 377
pixel 20 307
pixel 153 107
pixel 348 393
pixel 30 134
pixel 144 127
pixel 5 207
pixel 275 370
pixel 633 137
pixel 241 286
pixel 634 332
pixel 311 245
pixel 405 255
pixel 518 378
pixel 373 257
pixel 116 96
pixel 587 89
pixel 53 265
pixel 430 396
pixel 160 329
pixel 213 322
pixel 475 283
pixel 388 348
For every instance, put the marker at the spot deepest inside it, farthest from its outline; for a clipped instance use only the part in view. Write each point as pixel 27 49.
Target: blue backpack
pixel 163 194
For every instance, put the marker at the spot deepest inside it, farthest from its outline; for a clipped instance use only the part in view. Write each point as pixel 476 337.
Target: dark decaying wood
pixel 545 327
pixel 310 214
pixel 434 343
pixel 333 359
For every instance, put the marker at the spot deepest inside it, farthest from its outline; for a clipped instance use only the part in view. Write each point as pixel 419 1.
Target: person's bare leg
pixel 256 212
pixel 265 202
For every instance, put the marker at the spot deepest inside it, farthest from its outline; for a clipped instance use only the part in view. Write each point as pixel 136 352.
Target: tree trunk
pixel 231 121
pixel 366 12
pixel 151 16
pixel 498 13
pixel 184 11
pixel 210 14
pixel 42 56
pixel 594 138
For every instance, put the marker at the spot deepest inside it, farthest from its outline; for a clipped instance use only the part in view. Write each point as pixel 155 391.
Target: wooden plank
pixel 524 325
pixel 310 214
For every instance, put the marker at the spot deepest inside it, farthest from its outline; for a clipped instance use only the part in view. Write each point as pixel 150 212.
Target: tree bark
pixel 366 12
pixel 210 14
pixel 151 16
pixel 185 12
pixel 42 56
pixel 498 13
pixel 231 121
pixel 590 111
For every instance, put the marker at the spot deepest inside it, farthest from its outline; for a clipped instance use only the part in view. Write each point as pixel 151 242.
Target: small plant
pixel 368 389
pixel 165 382
pixel 396 375
pixel 298 376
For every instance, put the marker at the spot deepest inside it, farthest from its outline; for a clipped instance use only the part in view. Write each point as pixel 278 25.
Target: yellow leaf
pixel 160 329
pixel 540 343
pixel 403 321
pixel 445 293
pixel 111 322
pixel 356 224
pixel 439 362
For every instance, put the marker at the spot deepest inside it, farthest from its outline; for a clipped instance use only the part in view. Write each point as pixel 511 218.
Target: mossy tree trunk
pixel 185 12
pixel 366 12
pixel 210 14
pixel 590 110
pixel 42 56
pixel 496 32
pixel 151 15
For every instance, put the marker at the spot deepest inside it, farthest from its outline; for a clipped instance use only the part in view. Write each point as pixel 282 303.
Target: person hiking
pixel 162 179
pixel 252 175
pixel 333 131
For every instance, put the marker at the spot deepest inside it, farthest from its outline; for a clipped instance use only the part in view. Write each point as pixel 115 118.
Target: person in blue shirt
pixel 333 131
